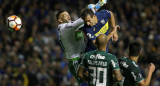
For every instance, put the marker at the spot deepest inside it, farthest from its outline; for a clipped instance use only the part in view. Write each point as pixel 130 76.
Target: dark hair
pixel 134 49
pixel 85 12
pixel 58 13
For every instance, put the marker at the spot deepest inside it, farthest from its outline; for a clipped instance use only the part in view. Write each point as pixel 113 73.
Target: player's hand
pixel 115 35
pixel 115 28
pixel 151 67
pixel 91 6
pixel 102 2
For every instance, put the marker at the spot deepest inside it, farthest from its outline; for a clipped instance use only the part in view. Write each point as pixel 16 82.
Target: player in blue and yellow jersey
pixel 96 24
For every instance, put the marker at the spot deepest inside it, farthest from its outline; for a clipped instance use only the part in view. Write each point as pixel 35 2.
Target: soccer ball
pixel 14 23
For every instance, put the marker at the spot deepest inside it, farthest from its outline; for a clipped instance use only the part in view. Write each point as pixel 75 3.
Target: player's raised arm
pixel 75 24
pixel 113 25
pixel 112 20
pixel 110 35
pixel 145 82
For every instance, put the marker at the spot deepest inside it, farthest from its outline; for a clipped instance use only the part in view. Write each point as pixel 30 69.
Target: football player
pixel 97 23
pixel 130 69
pixel 72 39
pixel 100 64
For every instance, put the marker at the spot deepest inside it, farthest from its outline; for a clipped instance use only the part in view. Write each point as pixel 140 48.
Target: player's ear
pixel 60 21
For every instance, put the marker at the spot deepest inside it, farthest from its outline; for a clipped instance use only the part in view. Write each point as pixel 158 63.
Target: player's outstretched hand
pixel 102 2
pixel 115 28
pixel 115 35
pixel 151 67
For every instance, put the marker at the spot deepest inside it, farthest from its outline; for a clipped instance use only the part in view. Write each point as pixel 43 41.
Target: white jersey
pixel 67 36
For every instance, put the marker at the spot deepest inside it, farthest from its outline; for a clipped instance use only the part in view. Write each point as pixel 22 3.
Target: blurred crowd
pixel 33 56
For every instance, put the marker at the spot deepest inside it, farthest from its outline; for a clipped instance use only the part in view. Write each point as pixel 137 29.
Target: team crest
pixel 94 29
pixel 102 21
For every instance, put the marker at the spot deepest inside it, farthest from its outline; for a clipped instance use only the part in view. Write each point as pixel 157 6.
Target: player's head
pixel 134 49
pixel 89 17
pixel 101 41
pixel 63 17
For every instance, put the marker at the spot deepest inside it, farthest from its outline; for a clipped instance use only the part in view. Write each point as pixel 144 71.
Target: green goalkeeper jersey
pixel 100 66
pixel 131 71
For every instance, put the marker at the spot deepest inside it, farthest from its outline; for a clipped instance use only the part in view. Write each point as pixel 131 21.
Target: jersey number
pixel 99 76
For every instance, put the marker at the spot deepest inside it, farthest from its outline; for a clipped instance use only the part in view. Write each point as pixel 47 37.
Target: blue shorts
pixel 83 84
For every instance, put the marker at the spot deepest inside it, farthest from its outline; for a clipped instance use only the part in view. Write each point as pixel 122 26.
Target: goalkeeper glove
pixel 101 2
pixel 94 7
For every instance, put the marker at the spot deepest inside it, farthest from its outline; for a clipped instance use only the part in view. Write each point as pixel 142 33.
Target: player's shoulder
pixel 86 28
pixel 111 56
pixel 90 52
pixel 61 26
pixel 123 61
pixel 102 12
pixel 134 67
pixel 65 26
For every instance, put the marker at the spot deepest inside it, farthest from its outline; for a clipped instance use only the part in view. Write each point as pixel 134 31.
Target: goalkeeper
pixel 72 39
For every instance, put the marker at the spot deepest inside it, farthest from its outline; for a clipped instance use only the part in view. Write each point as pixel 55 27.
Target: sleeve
pixel 114 63
pixel 71 25
pixel 75 24
pixel 89 33
pixel 136 74
pixel 106 13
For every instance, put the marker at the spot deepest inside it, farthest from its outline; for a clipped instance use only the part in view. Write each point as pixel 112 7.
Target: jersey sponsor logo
pixel 124 64
pixel 98 56
pixel 103 30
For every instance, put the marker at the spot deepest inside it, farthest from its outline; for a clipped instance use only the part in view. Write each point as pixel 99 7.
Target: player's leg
pixel 73 67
